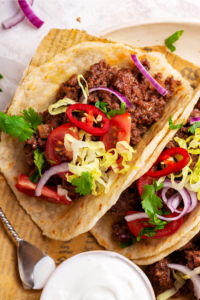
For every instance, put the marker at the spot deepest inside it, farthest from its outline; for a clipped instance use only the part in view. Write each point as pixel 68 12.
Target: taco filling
pixel 155 205
pixel 83 141
pixel 178 273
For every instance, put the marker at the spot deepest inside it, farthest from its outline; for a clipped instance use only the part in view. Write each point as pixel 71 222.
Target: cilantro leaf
pixel 39 160
pixel 194 126
pixel 150 200
pixel 173 38
pixel 111 113
pixel 102 106
pixel 1 90
pixel 128 243
pixel 3 118
pixel 116 112
pixel 52 161
pixel 35 177
pixel 174 127
pixel 83 183
pixel 149 231
pixel 17 127
pixel 1 76
pixel 32 118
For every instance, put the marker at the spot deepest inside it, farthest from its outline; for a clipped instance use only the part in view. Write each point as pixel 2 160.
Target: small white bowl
pixel 67 265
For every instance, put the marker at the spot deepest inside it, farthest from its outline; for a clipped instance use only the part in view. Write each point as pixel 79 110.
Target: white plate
pixel 154 31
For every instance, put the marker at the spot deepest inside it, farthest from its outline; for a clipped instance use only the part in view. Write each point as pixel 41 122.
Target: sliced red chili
pixel 172 167
pixel 92 112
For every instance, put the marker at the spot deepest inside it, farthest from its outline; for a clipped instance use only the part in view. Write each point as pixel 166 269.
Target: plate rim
pixel 148 22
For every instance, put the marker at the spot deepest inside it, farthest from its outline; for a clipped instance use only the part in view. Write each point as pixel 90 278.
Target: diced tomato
pixel 144 180
pixel 136 226
pixel 120 130
pixel 56 152
pixel 27 187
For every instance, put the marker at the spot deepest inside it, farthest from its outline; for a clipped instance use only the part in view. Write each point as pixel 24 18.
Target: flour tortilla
pixel 38 90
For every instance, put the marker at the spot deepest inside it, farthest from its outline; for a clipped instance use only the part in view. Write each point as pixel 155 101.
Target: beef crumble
pixel 161 276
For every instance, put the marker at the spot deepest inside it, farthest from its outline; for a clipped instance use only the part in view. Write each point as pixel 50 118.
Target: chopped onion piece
pixel 47 174
pixel 193 120
pixel 194 272
pixel 142 69
pixel 16 18
pixel 195 279
pixel 136 216
pixel 63 192
pixel 25 7
pixel 117 94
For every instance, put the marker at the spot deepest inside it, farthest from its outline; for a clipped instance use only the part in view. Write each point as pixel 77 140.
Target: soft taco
pixel 82 127
pixel 169 192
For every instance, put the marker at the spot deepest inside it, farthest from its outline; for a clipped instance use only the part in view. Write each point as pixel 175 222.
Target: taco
pixel 169 192
pixel 81 148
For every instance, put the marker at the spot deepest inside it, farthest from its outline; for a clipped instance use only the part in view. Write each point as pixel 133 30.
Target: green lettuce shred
pixel 60 106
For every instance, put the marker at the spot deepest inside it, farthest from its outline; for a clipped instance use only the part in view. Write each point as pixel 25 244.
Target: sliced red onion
pixel 25 7
pixel 186 199
pixel 142 69
pixel 63 192
pixel 117 94
pixel 173 202
pixel 47 174
pixel 193 120
pixel 194 200
pixel 16 18
pixel 163 194
pixel 136 216
pixel 195 279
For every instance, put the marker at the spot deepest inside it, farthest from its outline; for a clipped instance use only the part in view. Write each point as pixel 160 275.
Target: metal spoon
pixel 28 256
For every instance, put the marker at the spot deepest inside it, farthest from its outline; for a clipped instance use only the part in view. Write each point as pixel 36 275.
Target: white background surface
pixel 18 44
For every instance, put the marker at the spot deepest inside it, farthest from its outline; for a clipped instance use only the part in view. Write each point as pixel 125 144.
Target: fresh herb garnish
pixel 150 201
pixel 128 243
pixel 174 127
pixel 40 162
pixel 149 231
pixel 20 126
pixel 52 161
pixel 194 127
pixel 173 38
pixel 32 118
pixel 111 113
pixel 84 183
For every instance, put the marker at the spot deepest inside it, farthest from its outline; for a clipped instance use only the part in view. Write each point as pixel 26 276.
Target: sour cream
pixel 98 275
pixel 42 270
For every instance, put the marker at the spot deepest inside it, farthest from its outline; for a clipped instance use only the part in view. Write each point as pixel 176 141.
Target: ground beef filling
pixel 147 103
pixel 161 276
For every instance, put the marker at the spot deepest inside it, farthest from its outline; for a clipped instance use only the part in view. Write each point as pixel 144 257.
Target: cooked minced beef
pixel 161 276
pixel 147 103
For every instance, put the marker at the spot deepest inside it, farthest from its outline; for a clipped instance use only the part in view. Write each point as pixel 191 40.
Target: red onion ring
pixel 16 18
pixel 136 216
pixel 195 279
pixel 186 199
pixel 47 174
pixel 117 94
pixel 193 120
pixel 194 200
pixel 173 202
pixel 142 69
pixel 27 10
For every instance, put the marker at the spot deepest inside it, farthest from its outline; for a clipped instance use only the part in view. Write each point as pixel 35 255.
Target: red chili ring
pixel 86 108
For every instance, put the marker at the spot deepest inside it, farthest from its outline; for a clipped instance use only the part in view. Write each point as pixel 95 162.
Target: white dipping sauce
pixel 98 276
pixel 42 270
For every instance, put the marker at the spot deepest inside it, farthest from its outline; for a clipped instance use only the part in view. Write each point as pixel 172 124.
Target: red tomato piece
pixel 120 130
pixel 55 149
pixel 27 187
pixel 169 229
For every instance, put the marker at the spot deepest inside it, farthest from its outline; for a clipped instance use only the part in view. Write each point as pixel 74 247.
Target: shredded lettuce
pixel 190 178
pixel 177 285
pixel 89 156
pixel 60 106
pixel 84 91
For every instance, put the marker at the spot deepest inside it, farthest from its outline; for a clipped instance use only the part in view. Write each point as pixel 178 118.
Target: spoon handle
pixel 9 226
